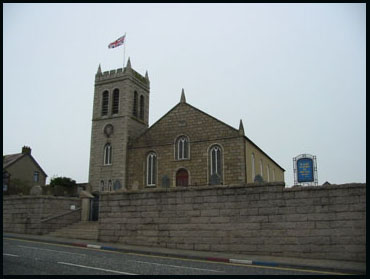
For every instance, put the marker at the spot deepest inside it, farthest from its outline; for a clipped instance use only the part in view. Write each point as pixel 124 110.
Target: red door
pixel 182 178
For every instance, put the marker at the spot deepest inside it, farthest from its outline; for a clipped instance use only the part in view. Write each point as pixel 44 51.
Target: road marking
pixel 240 261
pixel 10 255
pixel 93 246
pixel 238 264
pixel 30 247
pixel 179 266
pixel 183 259
pixel 97 268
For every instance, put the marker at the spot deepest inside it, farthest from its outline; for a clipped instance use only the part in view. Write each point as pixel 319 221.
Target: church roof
pixel 183 102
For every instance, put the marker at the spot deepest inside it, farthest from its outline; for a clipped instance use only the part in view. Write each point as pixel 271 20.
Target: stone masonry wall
pixel 23 214
pixel 197 166
pixel 203 131
pixel 322 222
pixel 57 222
pixel 125 125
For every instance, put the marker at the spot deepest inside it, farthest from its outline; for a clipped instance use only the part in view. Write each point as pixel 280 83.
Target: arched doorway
pixel 182 177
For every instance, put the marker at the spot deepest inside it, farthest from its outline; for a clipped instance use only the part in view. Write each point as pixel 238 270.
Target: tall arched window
pixel 110 187
pixel 215 159
pixel 182 148
pixel 273 174
pixel 268 173
pixel 105 99
pixel 107 154
pixel 253 168
pixel 134 111
pixel 115 103
pixel 102 186
pixel 151 169
pixel 142 107
pixel 261 168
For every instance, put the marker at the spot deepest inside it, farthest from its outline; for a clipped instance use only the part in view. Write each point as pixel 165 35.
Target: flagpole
pixel 124 52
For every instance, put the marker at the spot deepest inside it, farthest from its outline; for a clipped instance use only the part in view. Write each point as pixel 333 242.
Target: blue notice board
pixel 305 170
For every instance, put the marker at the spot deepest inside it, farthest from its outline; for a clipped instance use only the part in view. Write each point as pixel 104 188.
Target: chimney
pixel 26 150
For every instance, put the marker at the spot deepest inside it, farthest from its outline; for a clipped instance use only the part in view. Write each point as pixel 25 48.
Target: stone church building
pixel 186 147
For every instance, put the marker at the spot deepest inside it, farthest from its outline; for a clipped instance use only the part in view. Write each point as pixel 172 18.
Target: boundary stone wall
pixel 319 222
pixel 25 214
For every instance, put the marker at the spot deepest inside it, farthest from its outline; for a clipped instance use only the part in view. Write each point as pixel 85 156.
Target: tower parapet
pixel 120 72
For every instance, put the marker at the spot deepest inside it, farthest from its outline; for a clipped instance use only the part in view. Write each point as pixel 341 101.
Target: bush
pixel 62 181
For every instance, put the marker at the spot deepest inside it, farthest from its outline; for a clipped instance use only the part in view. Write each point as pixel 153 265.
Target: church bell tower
pixel 120 113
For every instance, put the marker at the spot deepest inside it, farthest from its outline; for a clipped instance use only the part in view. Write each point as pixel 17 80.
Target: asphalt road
pixel 22 257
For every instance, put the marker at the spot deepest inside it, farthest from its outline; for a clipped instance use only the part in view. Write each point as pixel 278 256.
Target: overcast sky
pixel 294 73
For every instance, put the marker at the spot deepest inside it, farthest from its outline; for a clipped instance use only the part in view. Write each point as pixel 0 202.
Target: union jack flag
pixel 117 42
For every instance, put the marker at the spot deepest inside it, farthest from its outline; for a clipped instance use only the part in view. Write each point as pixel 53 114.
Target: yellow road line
pixel 185 259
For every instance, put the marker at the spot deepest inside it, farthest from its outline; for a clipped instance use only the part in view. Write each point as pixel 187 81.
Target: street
pixel 23 257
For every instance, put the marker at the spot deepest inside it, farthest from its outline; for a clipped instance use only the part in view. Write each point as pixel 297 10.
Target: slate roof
pixel 9 160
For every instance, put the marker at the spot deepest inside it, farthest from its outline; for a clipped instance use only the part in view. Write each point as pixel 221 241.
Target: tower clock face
pixel 108 130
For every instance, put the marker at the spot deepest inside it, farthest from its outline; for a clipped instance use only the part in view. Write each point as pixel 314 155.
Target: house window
pixel 102 186
pixel 215 159
pixel 182 148
pixel 107 154
pixel 134 111
pixel 253 168
pixel 110 188
pixel 151 169
pixel 268 173
pixel 104 109
pixel 142 107
pixel 273 174
pixel 115 103
pixel 36 176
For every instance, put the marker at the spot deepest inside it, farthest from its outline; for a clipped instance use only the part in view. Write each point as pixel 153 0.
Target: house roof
pixel 9 160
pixel 223 123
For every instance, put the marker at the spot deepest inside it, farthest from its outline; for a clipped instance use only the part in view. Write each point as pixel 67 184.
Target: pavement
pixel 324 265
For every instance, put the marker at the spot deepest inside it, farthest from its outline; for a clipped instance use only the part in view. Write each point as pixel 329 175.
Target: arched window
pixel 182 148
pixel 102 186
pixel 215 160
pixel 261 168
pixel 105 99
pixel 110 188
pixel 151 169
pixel 142 107
pixel 182 177
pixel 268 173
pixel 115 103
pixel 273 174
pixel 134 111
pixel 107 154
pixel 253 168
